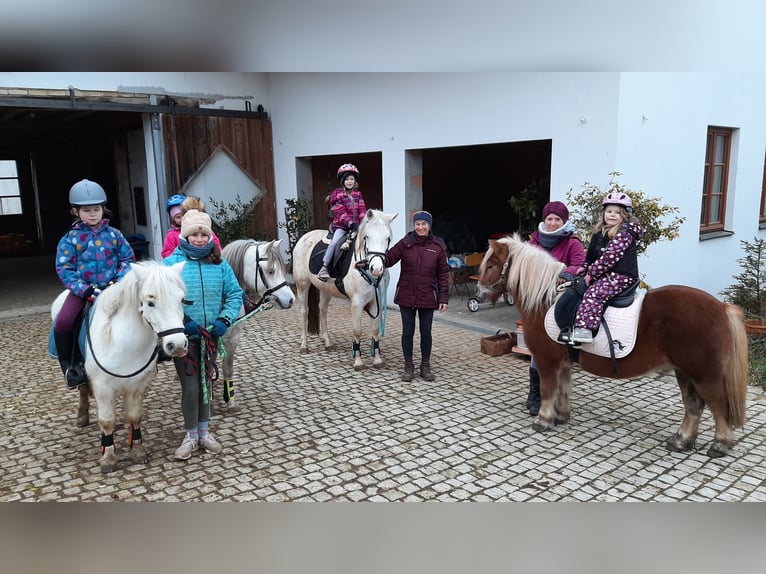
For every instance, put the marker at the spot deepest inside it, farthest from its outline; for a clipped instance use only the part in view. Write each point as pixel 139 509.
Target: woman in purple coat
pixel 422 289
pixel 556 235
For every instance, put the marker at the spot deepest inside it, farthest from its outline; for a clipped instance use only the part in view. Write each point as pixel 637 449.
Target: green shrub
pixel 298 220
pixel 231 221
pixel 749 291
pixel 585 212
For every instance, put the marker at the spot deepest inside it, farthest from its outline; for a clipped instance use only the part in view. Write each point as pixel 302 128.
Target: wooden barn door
pixel 190 140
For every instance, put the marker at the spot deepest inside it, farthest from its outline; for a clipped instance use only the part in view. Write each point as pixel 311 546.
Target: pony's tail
pixel 736 375
pixel 313 305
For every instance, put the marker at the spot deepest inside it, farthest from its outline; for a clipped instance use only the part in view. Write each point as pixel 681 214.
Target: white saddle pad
pixel 622 323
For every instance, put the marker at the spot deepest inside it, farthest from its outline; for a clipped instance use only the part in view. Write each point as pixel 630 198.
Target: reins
pixel 160 335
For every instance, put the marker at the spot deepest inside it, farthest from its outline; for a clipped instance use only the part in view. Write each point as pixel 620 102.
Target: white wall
pixel 319 114
pixel 664 156
pixel 595 121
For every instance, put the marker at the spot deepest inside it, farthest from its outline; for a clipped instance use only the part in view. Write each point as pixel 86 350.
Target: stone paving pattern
pixel 312 429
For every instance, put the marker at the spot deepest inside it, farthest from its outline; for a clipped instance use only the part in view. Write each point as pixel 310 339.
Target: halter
pixel 160 335
pixel 364 264
pixel 259 273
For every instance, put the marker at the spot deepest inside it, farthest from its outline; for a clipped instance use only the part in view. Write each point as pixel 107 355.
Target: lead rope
pixel 208 351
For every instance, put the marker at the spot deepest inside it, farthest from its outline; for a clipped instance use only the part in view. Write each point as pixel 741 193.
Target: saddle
pixel 341 259
pixel 620 321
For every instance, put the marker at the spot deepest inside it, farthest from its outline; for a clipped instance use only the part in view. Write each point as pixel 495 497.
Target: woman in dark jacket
pixel 422 288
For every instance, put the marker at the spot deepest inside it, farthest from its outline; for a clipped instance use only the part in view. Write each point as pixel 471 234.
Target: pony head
pixel 374 239
pixel 260 268
pixel 528 272
pixel 160 293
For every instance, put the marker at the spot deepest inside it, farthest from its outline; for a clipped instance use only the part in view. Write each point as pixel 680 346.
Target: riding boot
pixel 409 371
pixel 425 371
pixel 74 373
pixel 533 398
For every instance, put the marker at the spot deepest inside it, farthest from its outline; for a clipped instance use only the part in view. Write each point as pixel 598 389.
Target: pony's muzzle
pixel 175 345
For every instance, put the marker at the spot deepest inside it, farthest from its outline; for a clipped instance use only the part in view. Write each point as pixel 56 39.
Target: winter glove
pixel 219 328
pixel 353 227
pixel 191 328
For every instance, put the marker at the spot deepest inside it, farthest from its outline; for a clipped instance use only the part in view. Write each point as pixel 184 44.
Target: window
pixel 717 158
pixel 762 216
pixel 10 192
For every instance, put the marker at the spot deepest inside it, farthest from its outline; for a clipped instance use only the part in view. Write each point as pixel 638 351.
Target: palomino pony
pixel 360 284
pixel 679 327
pixel 260 269
pixel 130 321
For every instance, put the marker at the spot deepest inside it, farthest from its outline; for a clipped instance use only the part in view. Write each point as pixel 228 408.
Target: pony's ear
pixel 493 245
pixel 139 269
pixel 277 243
pixel 178 267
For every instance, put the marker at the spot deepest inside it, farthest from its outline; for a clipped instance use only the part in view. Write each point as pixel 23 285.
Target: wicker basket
pixel 498 344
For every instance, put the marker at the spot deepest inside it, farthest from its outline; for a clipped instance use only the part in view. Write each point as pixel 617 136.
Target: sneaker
pixel 345 245
pixel 209 443
pixel 188 446
pixel 582 335
pixel 323 274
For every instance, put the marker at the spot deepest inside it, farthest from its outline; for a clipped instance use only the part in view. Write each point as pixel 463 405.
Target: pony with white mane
pixel 260 270
pixel 359 283
pixel 130 323
pixel 711 371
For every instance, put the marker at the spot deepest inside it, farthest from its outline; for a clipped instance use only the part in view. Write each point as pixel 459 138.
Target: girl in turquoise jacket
pixel 213 302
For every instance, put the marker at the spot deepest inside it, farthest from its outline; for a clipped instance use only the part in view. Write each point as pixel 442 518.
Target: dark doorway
pixel 468 188
pixel 324 172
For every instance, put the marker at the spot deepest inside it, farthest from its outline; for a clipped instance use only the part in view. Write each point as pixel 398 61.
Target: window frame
pixel 707 191
pixel 762 212
pixel 17 195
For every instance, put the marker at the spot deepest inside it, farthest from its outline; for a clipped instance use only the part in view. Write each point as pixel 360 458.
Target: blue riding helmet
pixel 176 199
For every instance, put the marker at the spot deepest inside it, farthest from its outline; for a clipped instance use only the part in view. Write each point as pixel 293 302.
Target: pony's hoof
pixel 231 408
pixel 304 350
pixel 560 420
pixel 677 443
pixel 83 421
pixel 107 468
pixel 540 427
pixel 718 449
pixel 378 365
pixel 361 367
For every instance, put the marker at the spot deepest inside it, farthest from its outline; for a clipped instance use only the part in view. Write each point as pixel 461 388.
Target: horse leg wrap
pixel 106 440
pixel 374 346
pixel 356 347
pixel 228 390
pixel 135 434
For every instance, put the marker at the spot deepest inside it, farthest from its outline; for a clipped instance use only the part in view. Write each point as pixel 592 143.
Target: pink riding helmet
pixel 619 198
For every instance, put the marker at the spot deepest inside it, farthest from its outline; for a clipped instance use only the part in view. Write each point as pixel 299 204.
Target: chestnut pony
pixel 711 370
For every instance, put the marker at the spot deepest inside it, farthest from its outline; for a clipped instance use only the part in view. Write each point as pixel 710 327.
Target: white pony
pixel 260 270
pixel 359 283
pixel 131 320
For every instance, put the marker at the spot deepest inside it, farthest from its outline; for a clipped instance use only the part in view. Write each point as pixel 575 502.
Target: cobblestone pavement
pixel 312 429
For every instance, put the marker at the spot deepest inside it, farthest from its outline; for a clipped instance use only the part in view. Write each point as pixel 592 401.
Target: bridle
pixel 155 351
pixel 259 273
pixel 503 276
pixel 364 264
